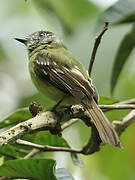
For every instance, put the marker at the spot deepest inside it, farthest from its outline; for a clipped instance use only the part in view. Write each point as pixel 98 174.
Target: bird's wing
pixel 67 79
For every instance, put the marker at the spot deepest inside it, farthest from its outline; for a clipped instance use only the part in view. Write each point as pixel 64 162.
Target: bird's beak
pixel 21 40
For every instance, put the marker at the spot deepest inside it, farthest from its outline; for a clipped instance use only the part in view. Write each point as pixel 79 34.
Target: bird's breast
pixel 46 88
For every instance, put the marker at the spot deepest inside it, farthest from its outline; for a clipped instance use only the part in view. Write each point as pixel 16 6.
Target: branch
pixel 43 121
pixel 32 153
pixel 46 148
pixel 128 120
pixel 93 145
pixel 117 106
pixel 69 123
pixel 96 45
pixel 49 121
pixel 129 101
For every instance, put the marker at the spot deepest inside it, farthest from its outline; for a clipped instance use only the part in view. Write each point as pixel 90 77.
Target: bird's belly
pixel 50 91
pixel 47 89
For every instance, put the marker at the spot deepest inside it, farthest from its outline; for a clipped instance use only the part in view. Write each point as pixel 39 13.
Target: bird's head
pixel 39 38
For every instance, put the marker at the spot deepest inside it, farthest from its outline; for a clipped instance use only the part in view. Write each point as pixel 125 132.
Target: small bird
pixel 59 75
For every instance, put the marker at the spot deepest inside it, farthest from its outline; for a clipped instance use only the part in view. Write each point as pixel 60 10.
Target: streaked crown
pixel 39 38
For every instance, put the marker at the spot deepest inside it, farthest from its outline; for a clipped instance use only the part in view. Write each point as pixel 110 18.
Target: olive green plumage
pixel 59 75
pixel 62 57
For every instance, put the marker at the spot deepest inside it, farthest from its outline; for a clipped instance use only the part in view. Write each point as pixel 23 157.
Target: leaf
pixel 70 13
pixel 77 160
pixel 46 138
pixel 36 169
pixel 16 117
pixel 117 115
pixel 43 138
pixel 11 151
pixel 125 49
pixel 107 100
pixel 121 12
pixel 63 174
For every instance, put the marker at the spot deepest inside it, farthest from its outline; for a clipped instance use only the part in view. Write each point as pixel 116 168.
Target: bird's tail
pixel 105 129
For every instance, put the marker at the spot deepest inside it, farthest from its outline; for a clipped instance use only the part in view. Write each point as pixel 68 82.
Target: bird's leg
pixel 58 103
pixel 57 130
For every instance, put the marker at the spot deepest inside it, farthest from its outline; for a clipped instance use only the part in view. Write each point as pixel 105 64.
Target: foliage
pixel 121 12
pixel 125 49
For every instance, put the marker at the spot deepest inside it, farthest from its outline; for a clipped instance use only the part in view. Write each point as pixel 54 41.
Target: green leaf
pixel 122 55
pixel 63 174
pixel 16 117
pixel 70 13
pixel 43 138
pixel 107 100
pixel 121 12
pixel 117 115
pixel 11 151
pixel 36 169
pixel 46 138
pixel 77 160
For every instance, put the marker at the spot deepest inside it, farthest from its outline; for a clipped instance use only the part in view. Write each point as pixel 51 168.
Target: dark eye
pixel 41 34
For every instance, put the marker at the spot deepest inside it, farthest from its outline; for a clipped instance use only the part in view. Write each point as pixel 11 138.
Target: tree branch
pixel 128 120
pixel 117 106
pixel 69 123
pixel 96 45
pixel 32 153
pixel 129 101
pixel 46 148
pixel 43 121
pixel 47 120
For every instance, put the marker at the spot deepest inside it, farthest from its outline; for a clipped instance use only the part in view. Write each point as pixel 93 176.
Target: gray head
pixel 39 38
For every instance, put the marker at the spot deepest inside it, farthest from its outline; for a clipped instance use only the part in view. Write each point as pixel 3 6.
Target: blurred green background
pixel 77 23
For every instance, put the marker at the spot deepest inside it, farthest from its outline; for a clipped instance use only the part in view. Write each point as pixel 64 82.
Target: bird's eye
pixel 41 34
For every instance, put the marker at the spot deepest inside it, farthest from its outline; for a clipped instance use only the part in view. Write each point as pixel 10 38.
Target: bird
pixel 60 76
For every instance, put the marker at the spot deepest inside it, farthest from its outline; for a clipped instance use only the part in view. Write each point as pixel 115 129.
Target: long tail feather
pixel 106 131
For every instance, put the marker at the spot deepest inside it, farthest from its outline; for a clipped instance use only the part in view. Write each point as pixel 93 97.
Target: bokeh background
pixel 77 23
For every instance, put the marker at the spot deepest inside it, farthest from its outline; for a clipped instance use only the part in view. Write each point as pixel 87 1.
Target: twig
pixel 32 153
pixel 69 123
pixel 96 45
pixel 117 106
pixel 129 101
pixel 120 126
pixel 46 148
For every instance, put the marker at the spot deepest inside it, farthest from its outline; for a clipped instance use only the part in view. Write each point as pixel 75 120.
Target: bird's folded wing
pixel 67 79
